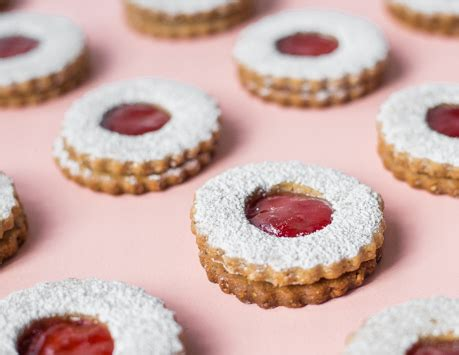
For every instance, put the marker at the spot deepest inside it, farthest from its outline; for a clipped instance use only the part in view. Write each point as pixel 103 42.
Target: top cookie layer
pixel 7 199
pixel 430 7
pixel 396 329
pixel 404 125
pixel 194 118
pixel 138 322
pixel 256 46
pixel 219 215
pixel 60 43
pixel 177 7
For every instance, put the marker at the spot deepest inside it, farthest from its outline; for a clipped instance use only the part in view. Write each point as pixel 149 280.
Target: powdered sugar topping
pixel 60 43
pixel 396 329
pixel 194 118
pixel 220 216
pixel 176 7
pixel 256 46
pixel 139 323
pixel 404 125
pixel 7 199
pixel 430 7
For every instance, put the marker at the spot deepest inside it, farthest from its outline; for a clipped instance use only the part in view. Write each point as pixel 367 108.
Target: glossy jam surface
pixel 307 44
pixel 435 347
pixel 444 119
pixel 288 214
pixel 134 119
pixel 12 46
pixel 65 336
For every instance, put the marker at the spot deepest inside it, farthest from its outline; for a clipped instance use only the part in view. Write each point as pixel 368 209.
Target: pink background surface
pixel 146 240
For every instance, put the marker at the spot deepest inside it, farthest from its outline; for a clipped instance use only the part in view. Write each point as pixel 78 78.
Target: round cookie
pixel 423 326
pixel 41 56
pixel 181 19
pixel 137 136
pixel 277 256
pixel 311 57
pixel 418 131
pixel 13 222
pixel 126 319
pixel 437 16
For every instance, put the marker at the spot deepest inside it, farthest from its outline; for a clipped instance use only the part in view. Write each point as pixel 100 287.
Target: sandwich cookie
pixel 418 130
pixel 90 317
pixel 287 234
pixel 41 57
pixel 138 136
pixel 311 57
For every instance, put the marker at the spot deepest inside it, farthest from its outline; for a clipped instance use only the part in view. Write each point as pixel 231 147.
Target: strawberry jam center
pixel 435 347
pixel 134 119
pixel 65 336
pixel 15 45
pixel 289 214
pixel 307 44
pixel 444 119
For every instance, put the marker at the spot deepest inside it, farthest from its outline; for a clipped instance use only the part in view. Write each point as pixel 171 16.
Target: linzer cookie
pixel 418 132
pixel 87 317
pixel 190 18
pixel 138 136
pixel 438 16
pixel 287 234
pixel 417 327
pixel 311 58
pixel 41 57
pixel 13 223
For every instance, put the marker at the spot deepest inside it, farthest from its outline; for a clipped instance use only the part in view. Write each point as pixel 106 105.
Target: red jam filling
pixel 15 45
pixel 307 44
pixel 134 119
pixel 444 119
pixel 65 336
pixel 288 214
pixel 435 347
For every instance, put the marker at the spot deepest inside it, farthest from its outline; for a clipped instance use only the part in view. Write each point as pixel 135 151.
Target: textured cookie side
pixel 13 239
pixel 119 168
pixel 185 26
pixel 432 177
pixel 435 23
pixel 312 93
pixel 41 89
pixel 116 185
pixel 266 295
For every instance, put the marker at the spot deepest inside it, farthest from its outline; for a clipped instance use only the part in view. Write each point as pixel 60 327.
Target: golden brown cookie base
pixel 265 295
pixel 8 223
pixel 437 23
pixel 116 185
pixel 13 238
pixel 294 276
pixel 184 26
pixel 404 168
pixel 313 93
pixel 41 89
pixel 118 168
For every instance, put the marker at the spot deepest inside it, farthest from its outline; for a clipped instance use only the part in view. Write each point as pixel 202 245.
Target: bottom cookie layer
pixel 116 185
pixel 265 295
pixel 323 97
pixel 42 89
pixel 140 20
pixel 13 238
pixel 434 184
pixel 435 23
